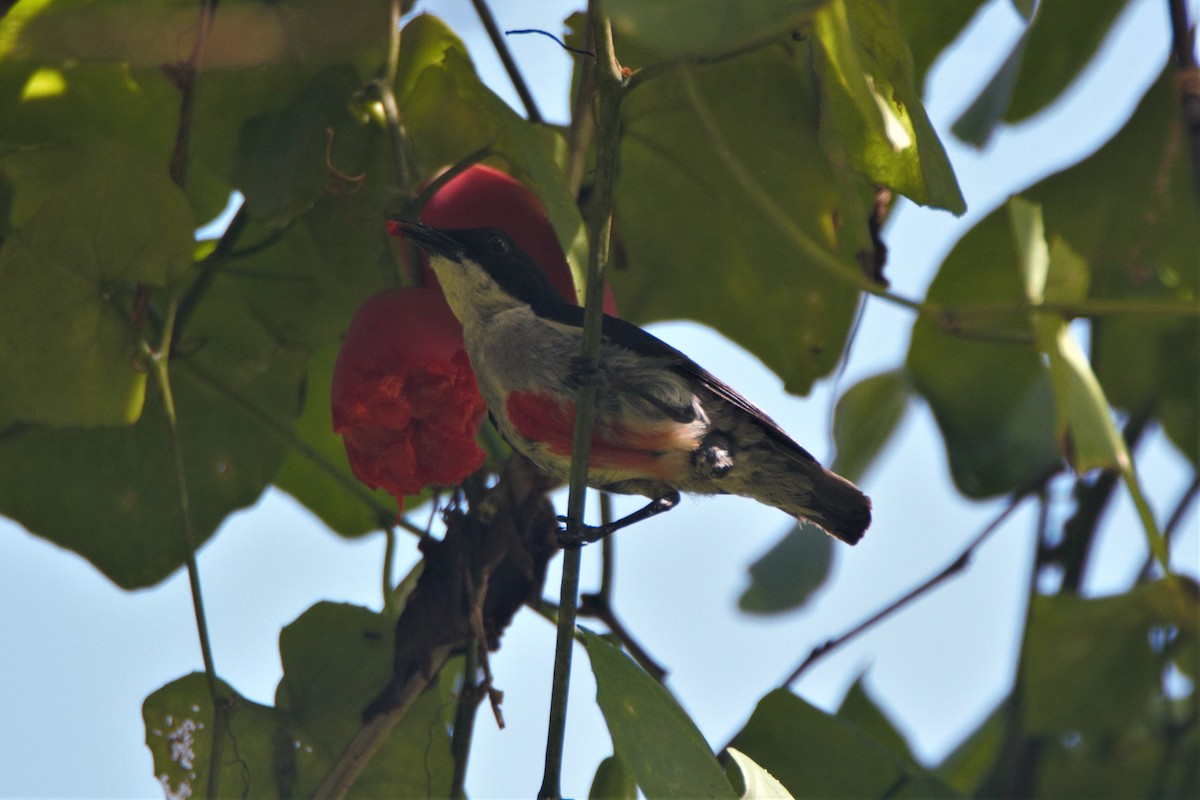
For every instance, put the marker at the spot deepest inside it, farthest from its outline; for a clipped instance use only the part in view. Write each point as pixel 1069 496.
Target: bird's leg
pixel 577 536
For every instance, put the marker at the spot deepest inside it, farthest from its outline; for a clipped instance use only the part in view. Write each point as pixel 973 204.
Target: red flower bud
pixel 482 197
pixel 405 400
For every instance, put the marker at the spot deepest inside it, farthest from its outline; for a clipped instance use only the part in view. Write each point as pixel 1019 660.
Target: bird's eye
pixel 497 244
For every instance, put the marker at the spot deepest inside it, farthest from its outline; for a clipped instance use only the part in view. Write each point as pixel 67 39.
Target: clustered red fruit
pixel 405 400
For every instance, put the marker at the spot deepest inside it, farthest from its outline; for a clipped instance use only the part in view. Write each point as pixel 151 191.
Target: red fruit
pixel 405 400
pixel 482 197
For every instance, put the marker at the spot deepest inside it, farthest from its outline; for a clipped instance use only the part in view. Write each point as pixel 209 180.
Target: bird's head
pixel 481 270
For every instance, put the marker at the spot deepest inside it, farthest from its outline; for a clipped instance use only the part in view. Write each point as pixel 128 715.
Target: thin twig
pixel 159 361
pixel 469 697
pixel 609 85
pixel 510 66
pixel 600 607
pixel 953 568
pixel 385 87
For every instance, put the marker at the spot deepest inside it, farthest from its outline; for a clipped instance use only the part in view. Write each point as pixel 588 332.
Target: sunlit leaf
pixel 651 734
pixel 760 784
pixel 930 26
pixel 860 709
pixel 871 111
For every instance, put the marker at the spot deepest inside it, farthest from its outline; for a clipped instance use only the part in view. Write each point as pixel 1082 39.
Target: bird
pixel 662 423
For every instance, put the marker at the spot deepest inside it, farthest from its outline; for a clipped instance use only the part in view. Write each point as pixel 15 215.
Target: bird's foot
pixel 582 373
pixel 573 537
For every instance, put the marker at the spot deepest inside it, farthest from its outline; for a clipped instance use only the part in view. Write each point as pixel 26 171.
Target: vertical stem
pixel 159 364
pixel 609 86
pixel 469 698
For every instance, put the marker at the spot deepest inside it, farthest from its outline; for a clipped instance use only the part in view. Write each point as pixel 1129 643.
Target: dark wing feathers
pixel 631 336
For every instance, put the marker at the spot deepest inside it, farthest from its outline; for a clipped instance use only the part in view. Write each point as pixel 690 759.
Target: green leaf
pixel 319 474
pixel 671 29
pixel 88 224
pixel 992 399
pixel 977 124
pixel 1063 38
pixel 930 26
pixel 758 782
pixel 109 493
pixel 613 781
pixel 787 575
pixel 866 416
pixel 337 658
pixel 697 246
pixel 871 111
pixel 860 709
pixel 287 156
pixel 972 761
pixel 263 753
pixel 1090 665
pixel 651 734
pixel 816 755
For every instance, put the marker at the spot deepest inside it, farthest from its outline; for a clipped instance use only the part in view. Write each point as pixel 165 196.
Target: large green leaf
pixel 652 735
pixel 264 754
pixel 110 493
pixel 814 754
pixel 87 224
pixel 699 248
pixel 871 111
pixel 860 709
pixel 669 29
pixel 991 398
pixel 336 659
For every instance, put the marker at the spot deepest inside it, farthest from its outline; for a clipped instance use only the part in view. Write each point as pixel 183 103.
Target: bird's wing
pixel 626 334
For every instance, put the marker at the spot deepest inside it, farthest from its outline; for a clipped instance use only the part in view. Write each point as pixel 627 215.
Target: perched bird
pixel 662 424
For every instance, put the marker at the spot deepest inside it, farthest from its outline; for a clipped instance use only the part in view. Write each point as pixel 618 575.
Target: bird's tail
pixel 798 484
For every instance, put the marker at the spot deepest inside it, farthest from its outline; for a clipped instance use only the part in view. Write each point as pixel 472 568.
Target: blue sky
pixel 80 654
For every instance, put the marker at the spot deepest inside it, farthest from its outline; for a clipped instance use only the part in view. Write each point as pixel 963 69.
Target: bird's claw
pixel 573 537
pixel 582 373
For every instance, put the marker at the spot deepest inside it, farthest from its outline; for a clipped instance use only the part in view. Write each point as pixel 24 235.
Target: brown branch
pixel 1187 81
pixel 510 65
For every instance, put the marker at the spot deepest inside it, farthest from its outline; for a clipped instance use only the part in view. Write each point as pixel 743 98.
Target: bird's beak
pixel 431 240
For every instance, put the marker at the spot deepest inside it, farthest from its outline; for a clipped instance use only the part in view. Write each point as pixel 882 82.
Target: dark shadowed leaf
pixel 929 26
pixel 814 754
pixel 861 710
pixel 613 781
pixel 651 734
pixel 697 246
pixel 336 660
pixel 787 575
pixel 1092 666
pixel 992 399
